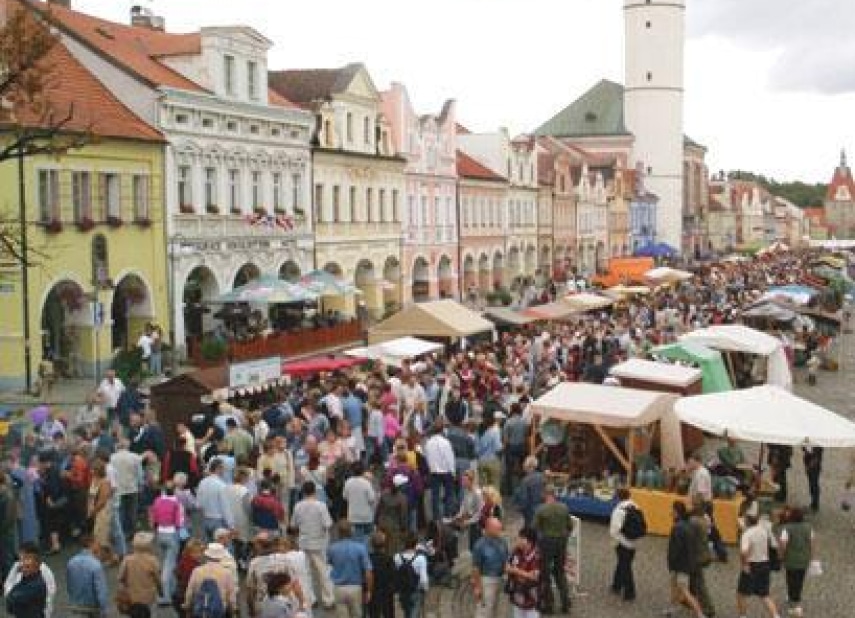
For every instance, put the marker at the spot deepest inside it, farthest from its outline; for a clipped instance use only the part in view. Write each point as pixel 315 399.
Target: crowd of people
pixel 359 490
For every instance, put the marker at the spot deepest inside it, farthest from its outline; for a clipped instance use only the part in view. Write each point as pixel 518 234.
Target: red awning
pixel 318 365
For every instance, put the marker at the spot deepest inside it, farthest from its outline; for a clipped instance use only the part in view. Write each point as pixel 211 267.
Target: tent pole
pixel 759 482
pixel 730 370
pixel 613 448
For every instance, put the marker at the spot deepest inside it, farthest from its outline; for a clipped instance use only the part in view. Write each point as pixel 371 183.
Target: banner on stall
pixel 255 372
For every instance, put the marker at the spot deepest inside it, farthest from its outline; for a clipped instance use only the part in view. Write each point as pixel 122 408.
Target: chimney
pixel 142 17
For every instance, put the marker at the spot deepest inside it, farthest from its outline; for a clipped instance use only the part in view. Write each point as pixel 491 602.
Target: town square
pixel 352 310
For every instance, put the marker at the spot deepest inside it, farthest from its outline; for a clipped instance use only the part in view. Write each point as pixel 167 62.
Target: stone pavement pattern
pixel 830 596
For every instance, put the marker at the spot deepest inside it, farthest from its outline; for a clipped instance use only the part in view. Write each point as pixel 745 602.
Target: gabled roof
pixel 598 112
pixel 310 85
pixel 467 167
pixel 134 49
pixel 72 90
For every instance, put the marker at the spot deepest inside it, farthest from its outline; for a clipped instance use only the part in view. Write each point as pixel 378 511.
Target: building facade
pixel 429 219
pixel 237 168
pixel 359 184
pixel 94 221
pixel 483 241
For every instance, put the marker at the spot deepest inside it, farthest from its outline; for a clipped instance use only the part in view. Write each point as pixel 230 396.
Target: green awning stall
pixel 714 374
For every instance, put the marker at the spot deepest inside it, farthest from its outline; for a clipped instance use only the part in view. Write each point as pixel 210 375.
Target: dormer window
pixel 207 123
pixel 231 126
pixel 349 127
pixel 275 131
pixel 252 79
pixel 229 74
pixel 253 129
pixel 366 130
pixel 182 119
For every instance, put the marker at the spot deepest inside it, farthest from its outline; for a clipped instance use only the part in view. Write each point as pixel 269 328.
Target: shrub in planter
pixel 143 222
pixel 212 209
pixel 187 209
pixel 128 364
pixel 114 221
pixel 54 226
pixel 84 224
pixel 213 349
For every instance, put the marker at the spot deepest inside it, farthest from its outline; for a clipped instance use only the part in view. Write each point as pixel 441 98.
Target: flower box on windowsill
pixel 85 224
pixel 187 209
pixel 260 212
pixel 54 226
pixel 143 222
pixel 212 209
pixel 114 221
pixel 280 211
pixel 236 211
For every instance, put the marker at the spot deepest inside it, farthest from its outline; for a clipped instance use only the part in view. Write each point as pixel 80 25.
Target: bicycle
pixel 459 585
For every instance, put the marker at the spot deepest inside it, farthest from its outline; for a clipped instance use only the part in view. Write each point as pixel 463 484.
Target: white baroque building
pixel 238 156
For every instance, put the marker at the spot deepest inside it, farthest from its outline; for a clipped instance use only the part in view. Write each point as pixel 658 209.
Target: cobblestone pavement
pixel 830 596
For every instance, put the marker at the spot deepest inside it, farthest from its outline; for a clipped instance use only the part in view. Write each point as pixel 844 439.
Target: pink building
pixel 429 252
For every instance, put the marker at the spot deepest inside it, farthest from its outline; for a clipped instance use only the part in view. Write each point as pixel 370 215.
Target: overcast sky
pixel 770 84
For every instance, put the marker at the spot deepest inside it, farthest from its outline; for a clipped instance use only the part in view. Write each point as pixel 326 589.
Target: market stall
pixel 591 427
pixel 507 317
pixel 710 362
pixel 665 275
pixel 583 302
pixel 652 376
pixel 396 351
pixel 441 319
pixel 735 338
pixel 558 310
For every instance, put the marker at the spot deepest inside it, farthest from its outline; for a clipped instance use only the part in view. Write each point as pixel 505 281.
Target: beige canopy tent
pixel 620 292
pixel 587 302
pixel 507 315
pixel 439 318
pixel 558 310
pixel 615 407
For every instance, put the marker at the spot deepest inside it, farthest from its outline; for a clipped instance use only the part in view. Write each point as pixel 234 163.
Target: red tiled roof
pixel 276 99
pixel 136 49
pixel 467 167
pixel 72 90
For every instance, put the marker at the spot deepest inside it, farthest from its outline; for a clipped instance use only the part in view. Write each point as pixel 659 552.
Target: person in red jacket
pixel 266 510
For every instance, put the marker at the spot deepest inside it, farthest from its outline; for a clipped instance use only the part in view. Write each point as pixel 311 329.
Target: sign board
pixel 573 559
pixel 255 372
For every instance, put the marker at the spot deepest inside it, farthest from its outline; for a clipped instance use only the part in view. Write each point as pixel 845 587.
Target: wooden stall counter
pixel 656 506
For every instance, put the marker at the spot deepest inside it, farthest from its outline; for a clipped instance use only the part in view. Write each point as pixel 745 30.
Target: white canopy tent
pixel 616 407
pixel 584 301
pixel 652 371
pixel 395 351
pixel 738 338
pixel 767 414
pixel 666 274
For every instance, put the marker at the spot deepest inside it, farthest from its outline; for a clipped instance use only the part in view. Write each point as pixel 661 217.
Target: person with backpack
pixel 626 526
pixel 211 591
pixel 411 576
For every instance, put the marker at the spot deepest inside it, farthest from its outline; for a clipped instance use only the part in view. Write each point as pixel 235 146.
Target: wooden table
pixel 657 505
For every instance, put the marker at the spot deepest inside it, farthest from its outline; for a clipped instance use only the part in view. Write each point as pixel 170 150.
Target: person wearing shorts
pixel 756 572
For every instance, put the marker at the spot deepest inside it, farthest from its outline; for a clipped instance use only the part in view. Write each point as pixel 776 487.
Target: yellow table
pixel 656 506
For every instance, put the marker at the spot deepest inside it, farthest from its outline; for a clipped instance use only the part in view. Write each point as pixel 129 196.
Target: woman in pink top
pixel 391 428
pixel 166 516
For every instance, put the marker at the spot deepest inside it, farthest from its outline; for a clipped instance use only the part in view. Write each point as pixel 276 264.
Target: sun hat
pixel 215 551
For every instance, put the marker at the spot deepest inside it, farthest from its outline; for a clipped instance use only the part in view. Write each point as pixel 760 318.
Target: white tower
pixel 653 104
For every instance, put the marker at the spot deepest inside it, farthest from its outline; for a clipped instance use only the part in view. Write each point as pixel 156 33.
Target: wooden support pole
pixel 612 447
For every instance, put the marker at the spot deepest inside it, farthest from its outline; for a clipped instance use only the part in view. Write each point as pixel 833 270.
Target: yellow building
pixel 94 225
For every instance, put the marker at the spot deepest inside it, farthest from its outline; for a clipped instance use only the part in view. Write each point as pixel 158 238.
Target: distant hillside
pixel 799 193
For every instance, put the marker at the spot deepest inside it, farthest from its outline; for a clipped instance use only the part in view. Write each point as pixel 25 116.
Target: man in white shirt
pixel 623 582
pixel 754 577
pixel 442 465
pixel 109 391
pixel 144 343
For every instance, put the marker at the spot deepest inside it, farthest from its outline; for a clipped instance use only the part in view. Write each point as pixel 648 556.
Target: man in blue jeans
pixel 351 572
